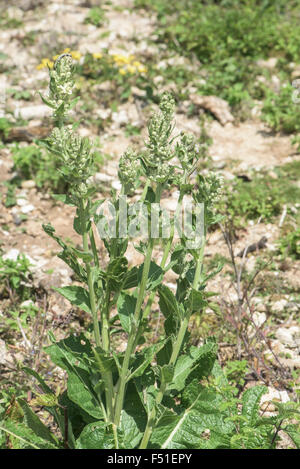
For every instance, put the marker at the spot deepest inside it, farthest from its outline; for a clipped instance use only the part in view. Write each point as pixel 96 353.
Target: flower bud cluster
pixel 128 169
pixel 210 189
pixel 159 145
pixel 186 151
pixel 74 153
pixel 61 85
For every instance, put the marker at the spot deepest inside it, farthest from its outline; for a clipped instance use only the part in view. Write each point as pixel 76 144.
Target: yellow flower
pixel 131 69
pixel 142 69
pixel 55 57
pixel 122 71
pixel 121 59
pixel 136 63
pixel 66 51
pixel 75 54
pixel 97 55
pixel 45 63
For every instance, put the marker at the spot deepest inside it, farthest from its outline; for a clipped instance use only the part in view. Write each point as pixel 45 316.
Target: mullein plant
pixel 151 395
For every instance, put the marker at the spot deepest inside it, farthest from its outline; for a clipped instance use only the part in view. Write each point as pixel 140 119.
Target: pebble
pixel 279 305
pixel 29 184
pixel 27 208
pixel 102 177
pixel 32 112
pixel 289 336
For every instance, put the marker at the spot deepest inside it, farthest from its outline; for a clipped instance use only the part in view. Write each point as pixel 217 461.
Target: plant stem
pixel 162 265
pixel 105 335
pixel 136 319
pixel 176 350
pixel 89 275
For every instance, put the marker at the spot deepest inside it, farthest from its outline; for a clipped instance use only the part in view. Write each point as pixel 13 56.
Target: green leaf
pixel 294 434
pixel 196 301
pixel 33 373
pixel 131 278
pixel 22 437
pixel 86 256
pixel 75 355
pixel 104 361
pixel 133 419
pixel 75 350
pixel 33 422
pixel 126 307
pixel 96 435
pixel 251 400
pixel 80 391
pixel 66 199
pixel 185 430
pixel 154 277
pixel 78 296
pixel 167 302
pixel 143 359
pixel 186 364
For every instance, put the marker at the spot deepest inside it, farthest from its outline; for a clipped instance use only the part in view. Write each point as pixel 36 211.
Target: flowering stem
pixel 82 214
pixel 176 350
pixel 105 343
pixel 134 326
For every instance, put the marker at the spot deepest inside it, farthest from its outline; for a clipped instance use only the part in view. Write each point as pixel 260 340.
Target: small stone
pixel 32 112
pixel 102 177
pixel 4 357
pixel 30 184
pixel 27 304
pixel 27 208
pixel 16 219
pixel 120 117
pixel 272 395
pixel 289 336
pixel 279 305
pixel 270 63
pixel 116 185
pixel 22 202
pixel 11 255
pixel 217 106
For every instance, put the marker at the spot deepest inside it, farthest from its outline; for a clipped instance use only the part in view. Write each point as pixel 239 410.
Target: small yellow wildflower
pixel 122 71
pixel 131 69
pixel 66 51
pixel 121 59
pixel 45 63
pixel 55 57
pixel 97 55
pixel 136 63
pixel 75 54
pixel 142 69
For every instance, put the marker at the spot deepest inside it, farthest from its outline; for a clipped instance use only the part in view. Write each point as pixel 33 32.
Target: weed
pixel 166 394
pixel 15 277
pixel 96 16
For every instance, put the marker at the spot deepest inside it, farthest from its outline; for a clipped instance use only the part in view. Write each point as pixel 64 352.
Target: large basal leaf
pixel 186 431
pixel 96 435
pixel 78 296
